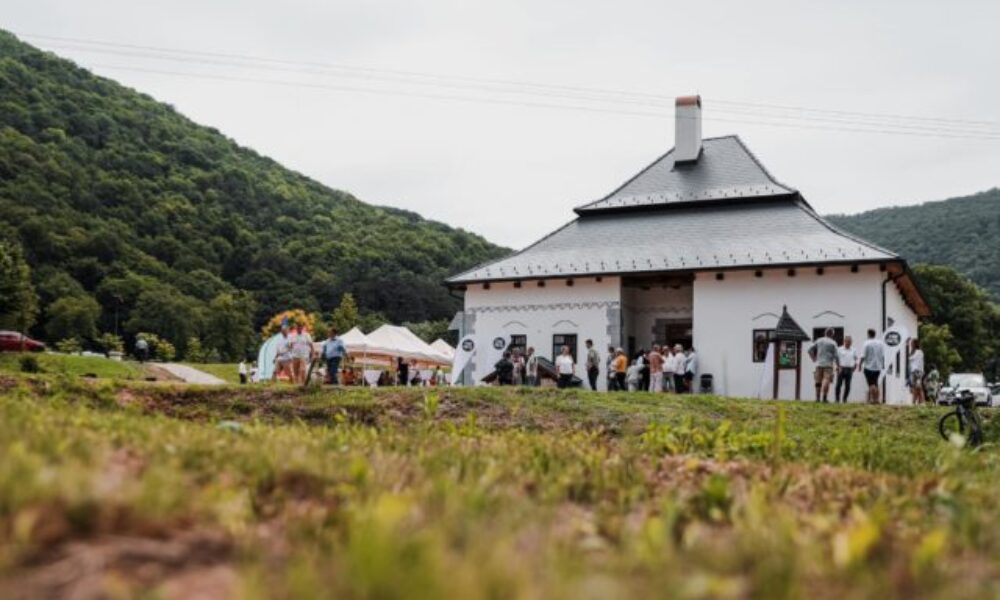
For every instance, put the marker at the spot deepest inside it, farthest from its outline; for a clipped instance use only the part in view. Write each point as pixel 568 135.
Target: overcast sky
pixel 512 172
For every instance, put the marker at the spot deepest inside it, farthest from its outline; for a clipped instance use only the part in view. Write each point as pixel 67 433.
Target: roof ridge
pixel 733 141
pixel 812 213
pixel 658 159
pixel 759 164
pixel 627 181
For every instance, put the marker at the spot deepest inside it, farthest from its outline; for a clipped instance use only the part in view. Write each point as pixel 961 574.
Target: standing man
pixel 142 349
pixel 243 371
pixel 593 365
pixel 655 369
pixel 872 363
pixel 847 362
pixel 333 352
pixel 668 368
pixel 917 372
pixel 505 370
pixel 824 353
pixel 402 372
pixel 609 365
pixel 565 368
pixel 690 370
pixel 679 363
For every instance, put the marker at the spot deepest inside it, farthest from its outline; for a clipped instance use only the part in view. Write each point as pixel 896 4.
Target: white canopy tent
pixel 357 343
pixel 400 341
pixel 443 348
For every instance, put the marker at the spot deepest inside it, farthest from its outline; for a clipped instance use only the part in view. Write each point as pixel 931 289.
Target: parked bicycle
pixel 964 420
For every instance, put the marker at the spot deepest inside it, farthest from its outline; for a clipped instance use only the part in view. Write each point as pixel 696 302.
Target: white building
pixel 701 247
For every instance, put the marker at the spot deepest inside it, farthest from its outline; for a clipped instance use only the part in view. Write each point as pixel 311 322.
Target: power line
pixel 597 94
pixel 529 104
pixel 837 120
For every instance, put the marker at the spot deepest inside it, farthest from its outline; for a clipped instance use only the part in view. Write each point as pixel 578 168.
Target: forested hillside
pixel 962 233
pixel 127 211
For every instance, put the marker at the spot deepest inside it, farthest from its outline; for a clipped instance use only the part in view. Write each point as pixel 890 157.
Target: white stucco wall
pixel 724 315
pixel 898 312
pixel 727 311
pixel 589 309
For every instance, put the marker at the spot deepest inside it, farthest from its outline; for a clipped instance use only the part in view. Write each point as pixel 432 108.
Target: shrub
pixel 110 342
pixel 70 345
pixel 197 353
pixel 29 364
pixel 165 351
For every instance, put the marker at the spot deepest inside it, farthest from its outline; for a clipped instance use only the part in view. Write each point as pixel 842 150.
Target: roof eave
pixel 454 283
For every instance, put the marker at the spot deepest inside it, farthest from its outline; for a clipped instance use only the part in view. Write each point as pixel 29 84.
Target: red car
pixel 12 341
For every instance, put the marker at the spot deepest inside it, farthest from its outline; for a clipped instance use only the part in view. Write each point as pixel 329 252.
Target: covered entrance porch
pixel 656 309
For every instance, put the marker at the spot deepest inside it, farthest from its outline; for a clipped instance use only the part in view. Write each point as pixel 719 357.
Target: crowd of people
pixel 667 368
pixel 836 366
pixel 672 368
pixel 296 351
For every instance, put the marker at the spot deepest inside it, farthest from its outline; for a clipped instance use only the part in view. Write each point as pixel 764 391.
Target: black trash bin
pixel 706 384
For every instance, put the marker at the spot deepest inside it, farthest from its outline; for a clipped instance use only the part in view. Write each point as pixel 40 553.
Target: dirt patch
pixel 184 564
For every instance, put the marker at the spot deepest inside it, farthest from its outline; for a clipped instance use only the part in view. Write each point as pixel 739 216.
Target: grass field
pixel 67 364
pixel 485 493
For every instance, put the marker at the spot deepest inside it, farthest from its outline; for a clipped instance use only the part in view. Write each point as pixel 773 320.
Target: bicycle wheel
pixel 951 424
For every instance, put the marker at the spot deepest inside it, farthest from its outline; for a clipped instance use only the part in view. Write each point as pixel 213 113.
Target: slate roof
pixel 726 170
pixel 766 232
pixel 723 211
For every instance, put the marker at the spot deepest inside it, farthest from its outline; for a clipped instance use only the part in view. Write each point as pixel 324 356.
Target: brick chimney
pixel 687 129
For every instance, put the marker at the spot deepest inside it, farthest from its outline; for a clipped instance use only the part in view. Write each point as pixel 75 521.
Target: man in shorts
pixel 872 363
pixel 824 353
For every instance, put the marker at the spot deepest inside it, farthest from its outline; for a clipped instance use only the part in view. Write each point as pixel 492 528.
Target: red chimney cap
pixel 688 101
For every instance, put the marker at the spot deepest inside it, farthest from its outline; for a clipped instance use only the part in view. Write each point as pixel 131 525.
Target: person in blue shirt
pixel 332 353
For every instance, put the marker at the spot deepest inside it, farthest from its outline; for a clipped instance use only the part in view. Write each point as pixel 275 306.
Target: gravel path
pixel 190 375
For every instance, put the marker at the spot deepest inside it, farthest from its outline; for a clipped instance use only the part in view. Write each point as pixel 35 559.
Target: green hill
pixel 112 195
pixel 962 233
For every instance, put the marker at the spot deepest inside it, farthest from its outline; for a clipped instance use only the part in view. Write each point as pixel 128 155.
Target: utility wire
pixel 596 93
pixel 530 104
pixel 880 124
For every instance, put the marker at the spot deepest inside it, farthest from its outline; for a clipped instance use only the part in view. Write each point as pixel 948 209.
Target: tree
pixel 170 315
pixel 968 312
pixel 18 301
pixel 937 344
pixel 72 317
pixel 195 352
pixel 371 321
pixel 345 316
pixel 229 326
pixel 430 330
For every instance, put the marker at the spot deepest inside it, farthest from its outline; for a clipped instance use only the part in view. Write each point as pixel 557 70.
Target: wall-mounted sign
pixel 499 343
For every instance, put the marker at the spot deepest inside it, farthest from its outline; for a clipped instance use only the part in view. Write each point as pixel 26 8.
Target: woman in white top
pixel 565 368
pixel 916 372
